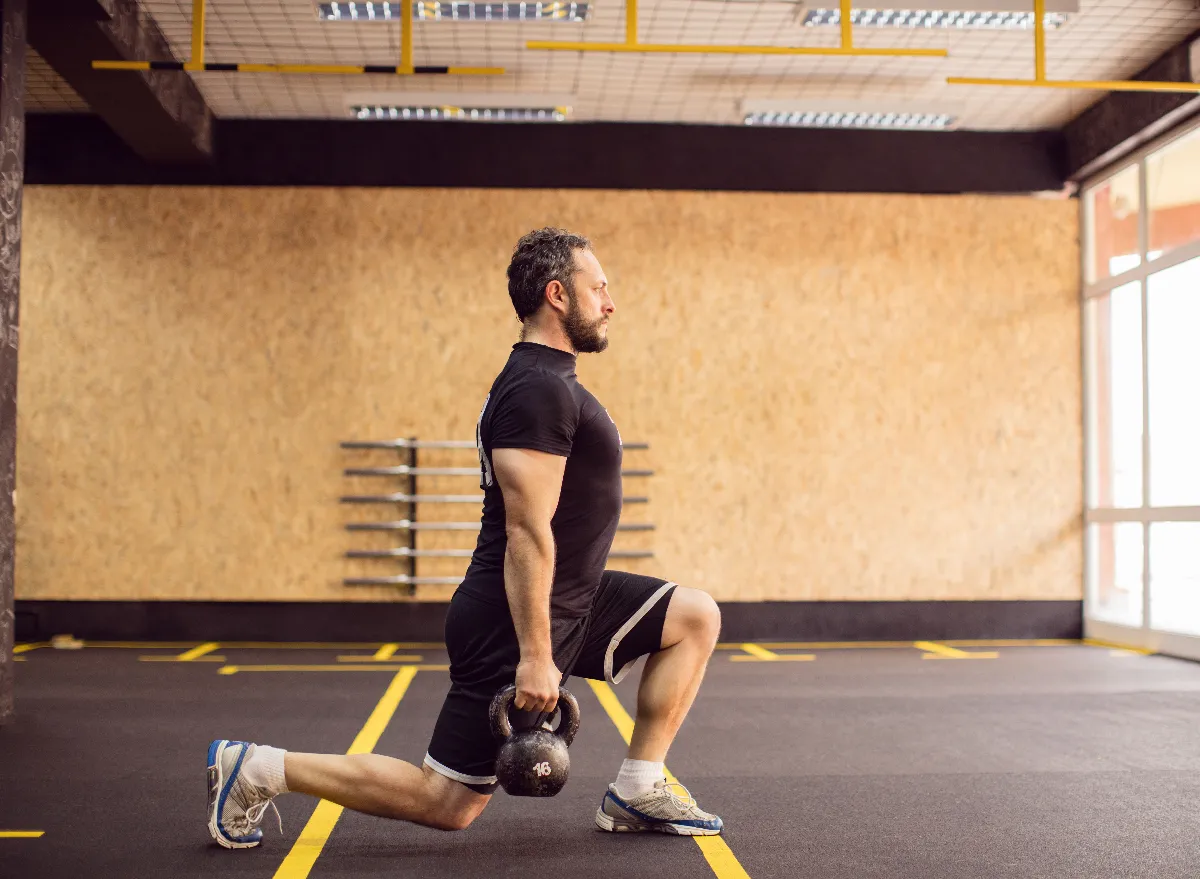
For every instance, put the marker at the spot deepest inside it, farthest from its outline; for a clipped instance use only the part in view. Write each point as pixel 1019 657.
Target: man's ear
pixel 556 294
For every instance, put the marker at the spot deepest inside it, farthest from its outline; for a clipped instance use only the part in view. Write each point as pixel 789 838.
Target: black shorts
pixel 625 623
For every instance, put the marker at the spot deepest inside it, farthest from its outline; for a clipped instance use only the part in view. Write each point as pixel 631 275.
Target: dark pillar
pixel 12 177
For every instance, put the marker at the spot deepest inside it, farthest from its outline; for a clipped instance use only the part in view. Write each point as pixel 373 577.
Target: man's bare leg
pixel 672 676
pixel 384 786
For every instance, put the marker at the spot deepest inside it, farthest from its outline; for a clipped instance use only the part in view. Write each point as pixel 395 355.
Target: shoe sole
pixel 611 825
pixel 216 781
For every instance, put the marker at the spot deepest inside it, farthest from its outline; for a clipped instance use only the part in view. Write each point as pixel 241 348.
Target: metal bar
pixel 406 33
pixel 847 26
pixel 1110 515
pixel 405 525
pixel 405 552
pixel 404 444
pixel 631 22
pixel 404 470
pixel 332 69
pixel 629 446
pixel 1039 40
pixel 630 554
pixel 197 32
pixel 402 580
pixel 716 49
pixel 402 498
pixel 1114 86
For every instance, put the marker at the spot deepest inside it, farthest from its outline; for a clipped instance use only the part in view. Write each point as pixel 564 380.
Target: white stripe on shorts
pixel 625 630
pixel 458 776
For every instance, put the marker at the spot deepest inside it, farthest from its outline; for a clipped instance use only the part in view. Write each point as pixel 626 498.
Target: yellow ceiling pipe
pixel 1039 71
pixel 631 44
pixel 197 62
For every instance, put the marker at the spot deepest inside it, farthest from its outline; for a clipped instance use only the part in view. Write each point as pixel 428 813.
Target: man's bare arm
pixel 531 482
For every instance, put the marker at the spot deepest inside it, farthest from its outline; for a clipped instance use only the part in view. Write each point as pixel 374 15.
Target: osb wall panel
pixel 847 397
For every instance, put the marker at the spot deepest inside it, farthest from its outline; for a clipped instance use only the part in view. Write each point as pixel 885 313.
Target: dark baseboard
pixel 423 621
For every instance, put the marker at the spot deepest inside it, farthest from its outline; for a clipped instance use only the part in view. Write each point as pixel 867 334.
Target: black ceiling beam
pixel 1122 121
pixel 76 149
pixel 161 115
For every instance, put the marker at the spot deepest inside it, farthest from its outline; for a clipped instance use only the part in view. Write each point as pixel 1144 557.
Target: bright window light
pixel 931 18
pixel 431 10
pixel 460 114
pixel 833 119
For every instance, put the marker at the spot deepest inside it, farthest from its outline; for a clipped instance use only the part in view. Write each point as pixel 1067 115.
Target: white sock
pixel 638 777
pixel 264 769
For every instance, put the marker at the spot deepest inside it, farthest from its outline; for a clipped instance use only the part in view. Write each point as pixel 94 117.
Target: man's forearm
pixel 528 578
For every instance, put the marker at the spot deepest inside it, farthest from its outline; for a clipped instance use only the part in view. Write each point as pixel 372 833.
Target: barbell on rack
pixel 407 525
pixel 405 470
pixel 404 552
pixel 401 498
pixel 440 444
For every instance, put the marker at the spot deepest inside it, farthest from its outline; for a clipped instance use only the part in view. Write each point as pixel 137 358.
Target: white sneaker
pixel 235 806
pixel 669 808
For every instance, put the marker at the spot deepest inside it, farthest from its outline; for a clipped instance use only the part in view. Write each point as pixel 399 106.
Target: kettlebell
pixel 533 762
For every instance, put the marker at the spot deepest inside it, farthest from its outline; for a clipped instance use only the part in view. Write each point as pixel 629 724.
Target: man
pixel 536 604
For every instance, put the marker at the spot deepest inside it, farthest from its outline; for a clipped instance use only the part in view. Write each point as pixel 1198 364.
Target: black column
pixel 12 176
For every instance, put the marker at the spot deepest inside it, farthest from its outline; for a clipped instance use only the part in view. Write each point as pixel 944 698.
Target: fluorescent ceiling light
pixel 431 10
pixel 834 119
pixel 932 18
pixel 459 114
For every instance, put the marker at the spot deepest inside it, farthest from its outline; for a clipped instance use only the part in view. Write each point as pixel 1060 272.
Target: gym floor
pixel 950 759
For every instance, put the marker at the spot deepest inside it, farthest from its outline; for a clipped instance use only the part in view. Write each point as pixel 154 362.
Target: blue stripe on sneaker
pixel 225 794
pixel 714 824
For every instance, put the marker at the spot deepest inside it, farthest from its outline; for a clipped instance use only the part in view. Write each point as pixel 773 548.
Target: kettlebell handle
pixel 568 723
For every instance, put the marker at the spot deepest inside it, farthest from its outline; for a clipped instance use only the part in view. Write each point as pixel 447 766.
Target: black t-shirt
pixel 537 403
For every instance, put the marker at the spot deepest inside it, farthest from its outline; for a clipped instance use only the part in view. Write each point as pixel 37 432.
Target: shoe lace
pixel 254 815
pixel 680 795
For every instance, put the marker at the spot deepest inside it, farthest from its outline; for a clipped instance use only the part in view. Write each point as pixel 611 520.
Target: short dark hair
pixel 541 257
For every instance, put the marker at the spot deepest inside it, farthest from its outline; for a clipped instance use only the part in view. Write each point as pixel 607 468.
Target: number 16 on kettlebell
pixel 533 762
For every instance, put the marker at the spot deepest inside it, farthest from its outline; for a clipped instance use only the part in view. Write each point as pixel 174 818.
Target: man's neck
pixel 551 338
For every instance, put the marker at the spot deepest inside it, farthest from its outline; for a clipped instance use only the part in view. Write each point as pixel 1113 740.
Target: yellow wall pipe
pixel 1109 86
pixel 406 28
pixel 733 50
pixel 197 31
pixel 631 44
pixel 1039 40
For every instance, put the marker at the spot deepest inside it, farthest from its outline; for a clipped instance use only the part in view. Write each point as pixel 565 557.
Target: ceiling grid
pixel 1107 39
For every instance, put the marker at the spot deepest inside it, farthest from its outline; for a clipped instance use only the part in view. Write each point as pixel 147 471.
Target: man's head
pixel 555 277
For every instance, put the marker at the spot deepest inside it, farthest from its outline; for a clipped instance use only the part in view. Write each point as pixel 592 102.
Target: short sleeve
pixel 539 412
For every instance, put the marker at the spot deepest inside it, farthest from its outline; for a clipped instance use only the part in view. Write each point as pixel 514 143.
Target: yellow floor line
pixel 198 651
pixel 941 651
pixel 22 834
pixel 391 657
pixel 238 669
pixel 1139 651
pixel 758 653
pixel 177 659
pixel 385 652
pixel 25 648
pixel 299 861
pixel 720 857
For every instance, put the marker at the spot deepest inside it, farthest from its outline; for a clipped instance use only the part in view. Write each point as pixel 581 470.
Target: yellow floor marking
pixel 385 652
pixel 25 648
pixel 328 645
pixel 1137 651
pixel 718 854
pixel 1017 642
pixel 758 653
pixel 177 659
pixel 236 669
pixel 887 645
pixel 22 834
pixel 315 834
pixel 941 651
pixel 198 651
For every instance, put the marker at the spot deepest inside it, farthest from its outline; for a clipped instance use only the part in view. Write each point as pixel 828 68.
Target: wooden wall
pixel 847 397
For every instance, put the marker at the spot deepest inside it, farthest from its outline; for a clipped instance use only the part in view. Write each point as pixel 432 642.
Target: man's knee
pixel 700 614
pixel 456 817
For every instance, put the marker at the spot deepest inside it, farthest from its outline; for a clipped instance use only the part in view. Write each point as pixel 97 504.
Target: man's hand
pixel 537 685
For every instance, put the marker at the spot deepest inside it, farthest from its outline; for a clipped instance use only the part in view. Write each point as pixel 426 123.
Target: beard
pixel 585 336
